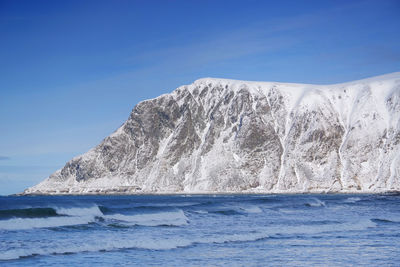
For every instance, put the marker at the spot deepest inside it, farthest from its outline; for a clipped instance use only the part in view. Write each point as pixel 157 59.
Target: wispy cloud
pixel 255 38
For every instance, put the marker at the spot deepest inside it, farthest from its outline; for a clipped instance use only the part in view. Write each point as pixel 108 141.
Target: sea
pixel 200 230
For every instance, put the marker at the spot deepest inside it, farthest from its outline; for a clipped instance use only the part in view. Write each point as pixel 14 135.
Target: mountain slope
pixel 219 135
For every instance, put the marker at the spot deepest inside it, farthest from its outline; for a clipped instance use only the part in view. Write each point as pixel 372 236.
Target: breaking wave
pixel 252 209
pixel 390 219
pixel 60 217
pixel 50 218
pixel 112 244
pixel 32 223
pixel 172 218
pixel 315 202
pixel 352 200
pixel 85 211
pixel 28 213
pixel 234 211
pixel 105 245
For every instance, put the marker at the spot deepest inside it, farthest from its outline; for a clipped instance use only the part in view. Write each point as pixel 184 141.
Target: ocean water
pixel 194 230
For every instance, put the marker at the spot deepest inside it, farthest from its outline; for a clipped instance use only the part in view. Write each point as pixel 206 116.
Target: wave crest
pixel 77 216
pixel 112 244
pixel 315 202
pixel 171 218
pixel 28 213
pixel 80 212
pixel 32 223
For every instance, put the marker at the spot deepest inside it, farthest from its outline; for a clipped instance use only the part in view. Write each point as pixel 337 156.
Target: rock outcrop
pixel 219 135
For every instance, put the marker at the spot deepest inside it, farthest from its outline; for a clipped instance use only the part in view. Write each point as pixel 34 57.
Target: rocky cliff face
pixel 219 135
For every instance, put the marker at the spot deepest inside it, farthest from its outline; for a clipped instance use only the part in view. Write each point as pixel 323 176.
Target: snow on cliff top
pixel 238 83
pixel 381 87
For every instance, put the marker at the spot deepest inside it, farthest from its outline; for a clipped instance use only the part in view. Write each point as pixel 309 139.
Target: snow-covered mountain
pixel 219 135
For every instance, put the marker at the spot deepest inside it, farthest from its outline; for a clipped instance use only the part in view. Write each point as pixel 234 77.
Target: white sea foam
pixel 288 211
pixel 352 199
pixel 252 209
pixel 200 211
pixel 73 216
pixel 315 202
pixel 108 244
pixel 31 223
pixel 173 218
pixel 113 243
pixel 78 216
pixel 85 211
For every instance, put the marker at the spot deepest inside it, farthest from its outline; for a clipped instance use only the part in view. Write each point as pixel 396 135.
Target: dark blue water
pixel 223 230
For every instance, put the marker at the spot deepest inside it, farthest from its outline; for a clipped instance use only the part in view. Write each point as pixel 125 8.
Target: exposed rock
pixel 219 135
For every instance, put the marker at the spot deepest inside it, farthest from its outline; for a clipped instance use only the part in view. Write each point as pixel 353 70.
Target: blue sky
pixel 71 71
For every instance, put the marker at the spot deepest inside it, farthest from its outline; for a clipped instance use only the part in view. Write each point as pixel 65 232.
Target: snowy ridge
pixel 220 135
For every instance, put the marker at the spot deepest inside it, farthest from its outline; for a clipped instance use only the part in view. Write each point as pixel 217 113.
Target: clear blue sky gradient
pixel 71 71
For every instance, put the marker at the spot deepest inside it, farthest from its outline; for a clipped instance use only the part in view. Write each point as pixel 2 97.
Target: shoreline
pixel 207 193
